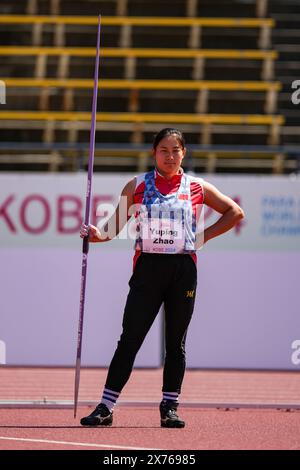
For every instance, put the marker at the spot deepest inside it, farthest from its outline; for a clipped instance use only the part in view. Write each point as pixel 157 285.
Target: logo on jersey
pixel 190 293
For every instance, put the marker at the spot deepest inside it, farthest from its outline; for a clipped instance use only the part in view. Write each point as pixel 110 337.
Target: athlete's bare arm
pixel 231 212
pixel 116 222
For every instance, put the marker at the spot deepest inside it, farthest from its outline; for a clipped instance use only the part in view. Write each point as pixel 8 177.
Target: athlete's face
pixel 168 155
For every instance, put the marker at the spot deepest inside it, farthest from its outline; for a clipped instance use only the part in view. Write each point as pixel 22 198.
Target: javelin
pixel 85 243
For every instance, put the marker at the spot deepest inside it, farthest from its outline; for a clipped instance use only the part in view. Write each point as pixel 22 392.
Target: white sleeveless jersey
pixel 168 224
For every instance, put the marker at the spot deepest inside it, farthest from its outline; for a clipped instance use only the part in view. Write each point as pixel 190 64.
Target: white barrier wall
pixel 40 273
pixel 247 312
pixel 247 305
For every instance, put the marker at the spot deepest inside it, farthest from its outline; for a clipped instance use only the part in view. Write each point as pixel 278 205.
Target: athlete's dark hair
pixel 166 133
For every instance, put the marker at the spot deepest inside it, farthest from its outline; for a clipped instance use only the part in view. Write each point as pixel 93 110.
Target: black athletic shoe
pixel 101 416
pixel 168 415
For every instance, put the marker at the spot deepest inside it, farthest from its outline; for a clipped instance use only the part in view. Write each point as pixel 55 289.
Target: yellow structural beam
pixel 140 21
pixel 139 52
pixel 144 117
pixel 143 84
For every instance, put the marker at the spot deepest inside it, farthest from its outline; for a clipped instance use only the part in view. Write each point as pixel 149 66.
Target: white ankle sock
pixel 109 398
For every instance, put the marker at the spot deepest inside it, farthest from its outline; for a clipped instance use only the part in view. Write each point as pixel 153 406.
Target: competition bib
pixel 162 235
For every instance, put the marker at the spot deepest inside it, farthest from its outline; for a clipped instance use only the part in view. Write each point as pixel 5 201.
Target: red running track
pixel 138 426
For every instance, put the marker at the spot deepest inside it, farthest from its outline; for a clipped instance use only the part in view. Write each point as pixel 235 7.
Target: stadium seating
pixel 286 40
pixel 137 91
pixel 211 76
pixel 194 8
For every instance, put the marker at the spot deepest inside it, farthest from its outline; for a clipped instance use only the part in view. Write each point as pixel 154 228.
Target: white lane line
pixel 82 444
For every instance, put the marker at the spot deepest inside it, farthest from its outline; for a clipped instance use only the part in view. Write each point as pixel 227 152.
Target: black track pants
pixel 157 279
